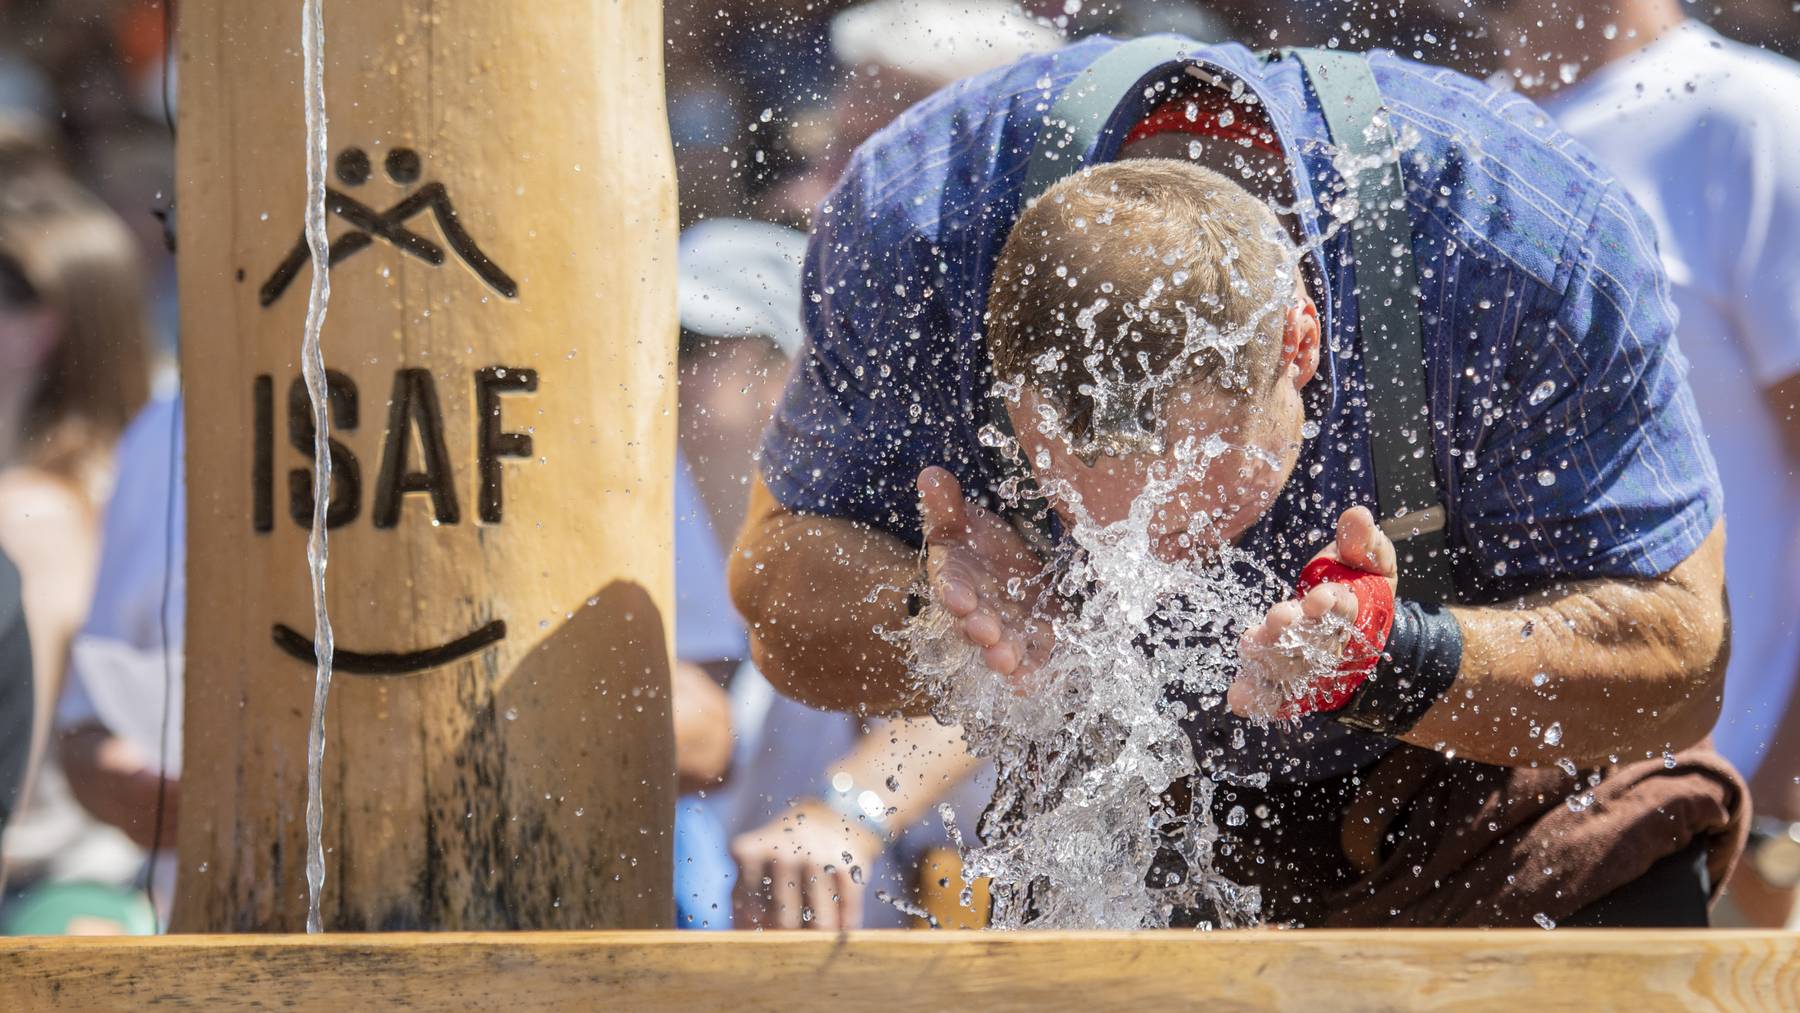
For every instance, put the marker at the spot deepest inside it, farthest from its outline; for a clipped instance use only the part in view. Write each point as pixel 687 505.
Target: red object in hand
pixel 1374 621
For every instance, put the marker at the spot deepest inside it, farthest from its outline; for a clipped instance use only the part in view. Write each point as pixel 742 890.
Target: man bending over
pixel 1525 756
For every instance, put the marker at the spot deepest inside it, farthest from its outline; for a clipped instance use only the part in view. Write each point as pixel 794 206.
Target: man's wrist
pixel 1421 661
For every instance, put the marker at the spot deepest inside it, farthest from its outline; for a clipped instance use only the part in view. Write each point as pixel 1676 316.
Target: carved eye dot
pixel 353 166
pixel 403 165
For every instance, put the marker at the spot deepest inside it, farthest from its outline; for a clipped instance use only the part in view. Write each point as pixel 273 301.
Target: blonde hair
pixel 1141 274
pixel 68 251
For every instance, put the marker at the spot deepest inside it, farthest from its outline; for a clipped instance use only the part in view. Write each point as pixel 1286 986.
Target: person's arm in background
pixel 702 714
pixel 801 869
pixel 117 784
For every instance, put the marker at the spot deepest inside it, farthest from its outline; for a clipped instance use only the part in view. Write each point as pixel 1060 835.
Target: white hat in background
pixel 940 40
pixel 740 279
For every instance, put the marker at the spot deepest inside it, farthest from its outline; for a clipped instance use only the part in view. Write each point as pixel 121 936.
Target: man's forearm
pixel 814 591
pixel 1592 672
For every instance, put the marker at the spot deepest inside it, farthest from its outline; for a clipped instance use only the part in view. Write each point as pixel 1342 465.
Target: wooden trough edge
pixel 868 970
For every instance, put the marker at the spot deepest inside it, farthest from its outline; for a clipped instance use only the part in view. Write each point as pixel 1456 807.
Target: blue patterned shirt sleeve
pixel 852 429
pixel 894 374
pixel 1594 463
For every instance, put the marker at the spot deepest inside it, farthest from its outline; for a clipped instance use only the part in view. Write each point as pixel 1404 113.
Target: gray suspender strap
pixel 1391 338
pixel 1410 506
pixel 1089 104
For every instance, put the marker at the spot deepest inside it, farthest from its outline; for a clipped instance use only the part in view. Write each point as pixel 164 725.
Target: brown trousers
pixel 1417 839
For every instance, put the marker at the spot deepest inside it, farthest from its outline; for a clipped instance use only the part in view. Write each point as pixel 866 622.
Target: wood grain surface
pixel 502 326
pixel 1638 970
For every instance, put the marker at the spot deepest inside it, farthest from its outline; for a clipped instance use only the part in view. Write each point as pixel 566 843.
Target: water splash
pixel 1102 816
pixel 312 367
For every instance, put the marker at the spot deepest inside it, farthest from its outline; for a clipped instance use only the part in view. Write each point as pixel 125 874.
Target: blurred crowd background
pixel 766 100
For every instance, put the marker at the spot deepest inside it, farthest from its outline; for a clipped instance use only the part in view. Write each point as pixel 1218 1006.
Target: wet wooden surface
pixel 1462 970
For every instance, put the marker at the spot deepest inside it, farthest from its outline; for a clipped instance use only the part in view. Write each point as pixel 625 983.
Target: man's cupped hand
pixel 983 574
pixel 1273 674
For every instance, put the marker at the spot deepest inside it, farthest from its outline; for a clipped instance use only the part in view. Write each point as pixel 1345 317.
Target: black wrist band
pixel 1422 659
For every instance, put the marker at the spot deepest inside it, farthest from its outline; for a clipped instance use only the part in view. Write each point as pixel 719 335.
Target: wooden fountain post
pixel 501 340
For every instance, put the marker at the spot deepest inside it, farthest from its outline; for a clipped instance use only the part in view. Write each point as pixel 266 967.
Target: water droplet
pixel 512 713
pixel 1546 477
pixel 1542 392
pixel 1553 734
pixel 1193 149
pixel 1236 817
pixel 871 805
pixel 1309 429
pixel 893 783
pixel 1544 921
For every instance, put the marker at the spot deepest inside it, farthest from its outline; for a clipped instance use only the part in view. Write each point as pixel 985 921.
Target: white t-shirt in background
pixel 1705 134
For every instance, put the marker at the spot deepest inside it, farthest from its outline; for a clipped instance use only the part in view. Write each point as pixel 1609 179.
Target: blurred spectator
pixel 740 315
pixel 1705 134
pixel 1202 22
pixel 119 717
pixel 894 53
pixel 741 80
pixel 709 645
pixel 100 60
pixel 740 320
pixel 72 372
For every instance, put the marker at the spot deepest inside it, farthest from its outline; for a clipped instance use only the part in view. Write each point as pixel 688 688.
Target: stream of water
pixel 312 366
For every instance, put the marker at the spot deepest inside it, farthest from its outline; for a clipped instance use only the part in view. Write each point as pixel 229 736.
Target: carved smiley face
pixel 415 415
pixel 415 418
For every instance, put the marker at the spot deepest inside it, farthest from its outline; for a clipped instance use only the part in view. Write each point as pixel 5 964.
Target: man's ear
pixel 1300 341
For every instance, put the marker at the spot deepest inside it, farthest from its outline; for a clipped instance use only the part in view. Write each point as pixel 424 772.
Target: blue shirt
pixel 1564 432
